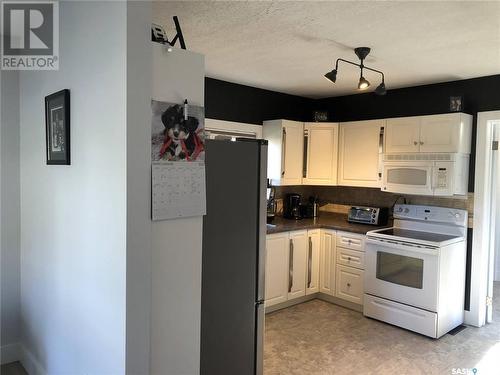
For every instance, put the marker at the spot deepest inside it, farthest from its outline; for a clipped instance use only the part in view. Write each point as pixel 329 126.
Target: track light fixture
pixel 363 83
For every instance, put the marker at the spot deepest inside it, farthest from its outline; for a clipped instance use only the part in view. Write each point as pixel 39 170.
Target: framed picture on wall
pixel 57 127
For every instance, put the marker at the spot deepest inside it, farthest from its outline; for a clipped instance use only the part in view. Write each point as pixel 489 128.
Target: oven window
pixel 400 269
pixel 407 176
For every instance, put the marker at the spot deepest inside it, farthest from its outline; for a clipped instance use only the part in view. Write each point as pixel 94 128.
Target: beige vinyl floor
pixel 317 337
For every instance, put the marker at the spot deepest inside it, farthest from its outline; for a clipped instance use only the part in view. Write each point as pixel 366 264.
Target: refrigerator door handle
pixel 309 264
pixel 290 267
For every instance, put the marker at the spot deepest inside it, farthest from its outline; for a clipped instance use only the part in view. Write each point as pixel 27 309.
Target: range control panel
pixel 431 213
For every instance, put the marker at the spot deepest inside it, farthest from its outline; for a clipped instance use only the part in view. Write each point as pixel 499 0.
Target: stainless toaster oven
pixel 368 215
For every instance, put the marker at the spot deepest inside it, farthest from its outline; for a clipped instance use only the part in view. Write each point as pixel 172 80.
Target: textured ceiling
pixel 288 46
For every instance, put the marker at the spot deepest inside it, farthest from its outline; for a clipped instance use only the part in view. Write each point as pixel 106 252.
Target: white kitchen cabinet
pixel 350 258
pixel 327 262
pixel 285 151
pixel 450 132
pixel 277 246
pixel 349 285
pixel 359 156
pixel 402 134
pixel 321 151
pixel 297 263
pixel 313 258
pixel 350 240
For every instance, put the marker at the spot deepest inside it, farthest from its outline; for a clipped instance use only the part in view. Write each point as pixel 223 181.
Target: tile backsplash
pixel 339 198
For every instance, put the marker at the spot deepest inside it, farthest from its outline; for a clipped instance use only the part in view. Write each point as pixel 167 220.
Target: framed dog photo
pixel 177 132
pixel 57 127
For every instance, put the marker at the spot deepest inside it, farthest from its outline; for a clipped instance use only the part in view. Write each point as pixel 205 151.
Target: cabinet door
pixel 402 135
pixel 349 284
pixel 359 153
pixel 297 264
pixel 276 268
pixel 292 152
pixel 440 133
pixel 313 254
pixel 320 164
pixel 327 263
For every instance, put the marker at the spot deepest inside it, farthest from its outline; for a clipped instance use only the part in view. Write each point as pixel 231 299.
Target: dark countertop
pixel 326 220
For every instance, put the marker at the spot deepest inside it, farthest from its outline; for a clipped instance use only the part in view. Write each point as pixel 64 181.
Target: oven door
pixel 408 177
pixel 402 272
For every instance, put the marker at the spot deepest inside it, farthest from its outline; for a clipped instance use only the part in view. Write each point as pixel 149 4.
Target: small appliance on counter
pixel 310 209
pixel 271 202
pixel 368 215
pixel 291 206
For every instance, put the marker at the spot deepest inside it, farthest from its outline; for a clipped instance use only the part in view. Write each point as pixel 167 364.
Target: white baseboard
pixel 10 353
pixel 31 364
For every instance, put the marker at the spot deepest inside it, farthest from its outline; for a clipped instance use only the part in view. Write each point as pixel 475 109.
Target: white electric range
pixel 415 271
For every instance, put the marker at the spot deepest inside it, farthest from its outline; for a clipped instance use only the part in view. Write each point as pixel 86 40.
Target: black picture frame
pixel 57 128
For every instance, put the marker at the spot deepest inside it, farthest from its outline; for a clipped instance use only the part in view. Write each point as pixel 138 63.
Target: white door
pixel 327 262
pixel 359 153
pixel 320 165
pixel 440 133
pixel 402 135
pixel 292 152
pixel 297 263
pixel 276 268
pixel 402 272
pixel 313 255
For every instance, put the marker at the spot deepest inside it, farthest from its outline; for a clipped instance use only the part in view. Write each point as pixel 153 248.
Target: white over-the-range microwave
pixel 437 174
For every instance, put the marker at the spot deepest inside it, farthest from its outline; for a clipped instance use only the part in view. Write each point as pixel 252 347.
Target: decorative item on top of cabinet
pixel 360 148
pixel 449 132
pixel 320 153
pixel 285 151
pixel 327 262
pixel 313 255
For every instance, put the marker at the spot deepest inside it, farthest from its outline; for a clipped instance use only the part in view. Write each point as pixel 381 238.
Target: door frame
pixel 481 259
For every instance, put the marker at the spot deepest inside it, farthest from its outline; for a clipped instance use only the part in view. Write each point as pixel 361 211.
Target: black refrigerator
pixel 233 266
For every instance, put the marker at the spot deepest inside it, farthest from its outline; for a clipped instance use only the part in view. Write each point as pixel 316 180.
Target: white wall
pixel 176 289
pixel 10 217
pixel 73 218
pixel 138 187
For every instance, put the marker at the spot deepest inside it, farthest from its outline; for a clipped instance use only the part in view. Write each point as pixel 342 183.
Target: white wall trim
pixel 10 353
pixel 482 192
pixel 31 363
pixel 232 126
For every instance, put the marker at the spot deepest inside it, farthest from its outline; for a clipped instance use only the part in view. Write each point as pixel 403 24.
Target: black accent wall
pixel 234 102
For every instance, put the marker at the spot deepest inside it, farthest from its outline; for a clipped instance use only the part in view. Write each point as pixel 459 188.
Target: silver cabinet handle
pixel 283 151
pixel 290 266
pixel 304 157
pixel 348 285
pixel 309 264
pixel 421 143
pixel 415 143
pixel 348 259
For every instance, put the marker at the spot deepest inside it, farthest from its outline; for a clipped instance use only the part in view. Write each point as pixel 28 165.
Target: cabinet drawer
pixel 351 241
pixel 349 285
pixel 352 258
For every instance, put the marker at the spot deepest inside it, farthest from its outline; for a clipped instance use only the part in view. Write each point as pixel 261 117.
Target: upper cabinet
pixel 320 153
pixel 449 133
pixel 285 151
pixel 360 147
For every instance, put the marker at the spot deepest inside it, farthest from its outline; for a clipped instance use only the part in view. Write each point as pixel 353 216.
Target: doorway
pixel 486 221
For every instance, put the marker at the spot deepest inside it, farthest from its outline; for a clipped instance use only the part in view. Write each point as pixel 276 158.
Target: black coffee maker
pixel 291 206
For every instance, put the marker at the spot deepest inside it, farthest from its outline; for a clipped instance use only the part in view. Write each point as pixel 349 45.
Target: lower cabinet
pixel 297 258
pixel 349 285
pixel 306 262
pixel 327 262
pixel 313 261
pixel 276 268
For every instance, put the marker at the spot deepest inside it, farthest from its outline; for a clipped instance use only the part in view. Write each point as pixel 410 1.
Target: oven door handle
pixel 420 249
